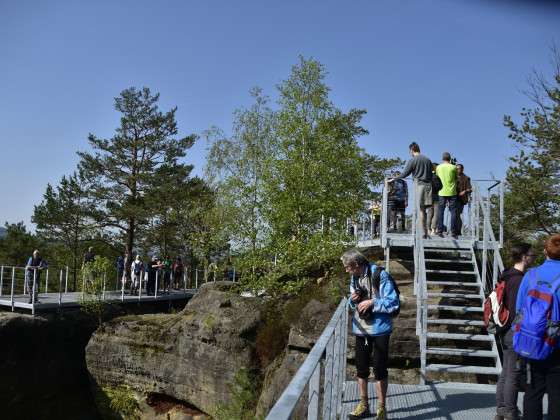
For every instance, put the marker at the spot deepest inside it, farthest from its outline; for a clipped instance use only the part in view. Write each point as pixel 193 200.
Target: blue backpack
pixel 537 325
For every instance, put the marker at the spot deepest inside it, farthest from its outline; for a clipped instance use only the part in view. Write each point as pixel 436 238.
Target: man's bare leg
pixel 424 220
pixel 362 384
pixel 381 392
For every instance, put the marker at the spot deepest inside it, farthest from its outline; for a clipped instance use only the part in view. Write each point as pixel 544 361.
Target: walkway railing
pixel 321 376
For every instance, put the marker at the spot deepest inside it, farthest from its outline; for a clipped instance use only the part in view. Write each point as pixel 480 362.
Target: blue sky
pixel 440 72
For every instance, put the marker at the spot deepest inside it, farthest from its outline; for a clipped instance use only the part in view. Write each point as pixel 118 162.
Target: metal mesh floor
pixel 422 402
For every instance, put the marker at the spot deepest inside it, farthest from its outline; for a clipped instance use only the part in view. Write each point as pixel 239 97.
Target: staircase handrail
pixel 330 347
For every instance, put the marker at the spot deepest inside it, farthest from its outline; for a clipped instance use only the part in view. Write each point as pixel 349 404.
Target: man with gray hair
pixel 35 264
pixel 374 299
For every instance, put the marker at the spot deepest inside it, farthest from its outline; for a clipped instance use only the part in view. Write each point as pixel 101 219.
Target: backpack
pixel 537 324
pixel 376 281
pixel 495 312
pixel 137 268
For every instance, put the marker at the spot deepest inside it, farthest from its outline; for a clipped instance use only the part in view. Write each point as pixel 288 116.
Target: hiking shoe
pixel 360 412
pixel 381 413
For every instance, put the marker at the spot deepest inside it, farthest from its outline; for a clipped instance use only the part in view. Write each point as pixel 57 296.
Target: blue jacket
pixel 549 270
pixel 383 305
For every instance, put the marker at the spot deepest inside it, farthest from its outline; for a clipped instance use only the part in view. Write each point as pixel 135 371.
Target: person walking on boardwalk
pixel 506 389
pixel 433 209
pixel 464 190
pixel 152 269
pixel 397 201
pixel 421 169
pixel 447 173
pixel 35 264
pixel 373 299
pixel 137 271
pixel 538 309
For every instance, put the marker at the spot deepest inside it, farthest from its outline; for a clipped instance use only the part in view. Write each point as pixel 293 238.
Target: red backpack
pixel 495 312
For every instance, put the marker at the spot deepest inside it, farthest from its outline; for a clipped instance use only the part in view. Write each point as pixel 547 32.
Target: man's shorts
pixel 424 194
pixel 379 346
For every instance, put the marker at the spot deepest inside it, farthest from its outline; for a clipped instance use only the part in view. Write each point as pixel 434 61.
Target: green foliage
pixel 95 277
pixel 17 245
pixel 118 403
pixel 136 168
pixel 244 393
pixel 532 200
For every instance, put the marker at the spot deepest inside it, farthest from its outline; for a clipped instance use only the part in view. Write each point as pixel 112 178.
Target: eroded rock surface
pixel 192 355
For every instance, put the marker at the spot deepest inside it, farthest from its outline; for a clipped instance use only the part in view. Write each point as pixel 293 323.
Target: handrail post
pixel 66 282
pixel 484 249
pixel 157 278
pixel 122 287
pixel 383 230
pixel 104 279
pixel 13 284
pixel 60 289
pixel 140 286
pixel 1 279
pixel 33 291
pixel 47 281
pixel 196 277
pixel 501 214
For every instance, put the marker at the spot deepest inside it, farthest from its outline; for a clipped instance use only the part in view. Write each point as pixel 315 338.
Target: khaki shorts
pixel 424 194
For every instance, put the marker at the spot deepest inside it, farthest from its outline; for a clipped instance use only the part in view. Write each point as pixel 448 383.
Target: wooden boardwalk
pixel 50 301
pixel 446 401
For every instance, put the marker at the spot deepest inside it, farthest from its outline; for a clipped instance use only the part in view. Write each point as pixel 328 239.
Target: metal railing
pixel 322 375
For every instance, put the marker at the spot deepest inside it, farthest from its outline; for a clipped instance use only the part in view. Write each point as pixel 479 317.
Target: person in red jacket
pixel 506 389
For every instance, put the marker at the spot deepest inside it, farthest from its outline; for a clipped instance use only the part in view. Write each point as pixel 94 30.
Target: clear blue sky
pixel 440 72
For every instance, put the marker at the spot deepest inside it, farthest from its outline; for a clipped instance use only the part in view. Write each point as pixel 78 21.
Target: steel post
pixel 1 279
pixel 157 280
pixel 13 285
pixel 66 282
pixel 46 281
pixel 33 291
pixel 60 289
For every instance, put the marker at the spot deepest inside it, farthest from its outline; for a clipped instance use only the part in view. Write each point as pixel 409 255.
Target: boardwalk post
pixel 157 278
pixel 122 292
pixel 196 277
pixel 140 287
pixel 185 281
pixel 103 293
pixel 33 291
pixel 13 284
pixel 83 285
pixel 501 214
pixel 234 274
pixel 47 281
pixel 1 279
pixel 60 289
pixel 327 386
pixel 66 282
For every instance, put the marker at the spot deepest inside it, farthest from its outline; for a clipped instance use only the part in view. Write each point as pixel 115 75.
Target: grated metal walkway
pixel 422 402
pixel 48 301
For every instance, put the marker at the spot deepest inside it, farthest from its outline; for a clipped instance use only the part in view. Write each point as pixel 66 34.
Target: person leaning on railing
pixel 373 300
pixel 35 264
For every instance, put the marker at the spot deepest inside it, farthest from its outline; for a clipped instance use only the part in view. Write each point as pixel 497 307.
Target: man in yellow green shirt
pixel 447 173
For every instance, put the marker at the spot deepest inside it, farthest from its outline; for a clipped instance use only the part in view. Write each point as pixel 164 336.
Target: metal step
pixel 463 309
pixel 454 295
pixel 486 370
pixel 461 352
pixel 450 272
pixel 453 283
pixel 464 322
pixel 452 336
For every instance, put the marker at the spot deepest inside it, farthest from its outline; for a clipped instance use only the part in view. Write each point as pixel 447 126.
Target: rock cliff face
pixel 192 355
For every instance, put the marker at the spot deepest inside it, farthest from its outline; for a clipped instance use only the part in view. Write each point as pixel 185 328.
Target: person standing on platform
pixel 166 264
pixel 464 190
pixel 421 169
pixel 137 271
pixel 397 201
pixel 447 173
pixel 35 265
pixel 373 300
pixel 178 272
pixel 506 389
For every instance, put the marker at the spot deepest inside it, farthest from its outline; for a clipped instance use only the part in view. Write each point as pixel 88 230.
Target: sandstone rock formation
pixel 192 355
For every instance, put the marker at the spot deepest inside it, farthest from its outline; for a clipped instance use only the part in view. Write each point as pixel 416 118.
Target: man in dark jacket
pixel 506 389
pixel 397 201
pixel 464 190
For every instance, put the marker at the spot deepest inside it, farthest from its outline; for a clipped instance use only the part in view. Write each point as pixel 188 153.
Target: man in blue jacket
pixel 373 299
pixel 544 374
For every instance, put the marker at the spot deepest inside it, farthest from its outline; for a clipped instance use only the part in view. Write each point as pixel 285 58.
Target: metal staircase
pixel 450 289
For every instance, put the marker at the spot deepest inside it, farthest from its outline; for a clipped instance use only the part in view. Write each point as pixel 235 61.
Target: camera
pixel 363 295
